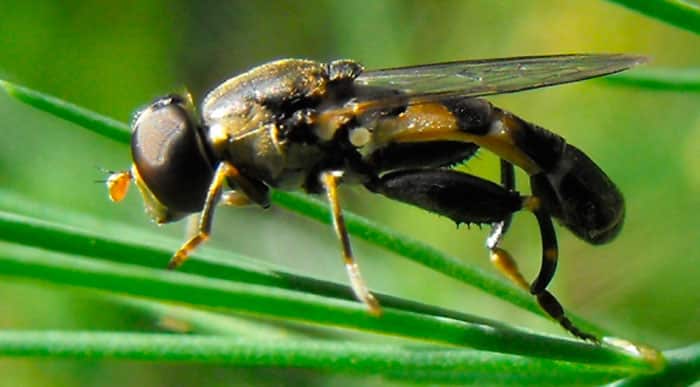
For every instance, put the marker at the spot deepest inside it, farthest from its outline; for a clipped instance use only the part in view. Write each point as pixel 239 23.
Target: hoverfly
pixel 300 124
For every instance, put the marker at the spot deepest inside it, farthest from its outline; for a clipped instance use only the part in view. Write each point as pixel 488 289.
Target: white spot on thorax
pixel 217 133
pixel 359 136
pixel 497 128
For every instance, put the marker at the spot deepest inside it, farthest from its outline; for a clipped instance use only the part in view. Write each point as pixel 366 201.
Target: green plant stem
pixel 21 261
pixel 90 120
pixel 682 369
pixel 182 319
pixel 56 237
pixel 685 80
pixel 392 360
pixel 680 13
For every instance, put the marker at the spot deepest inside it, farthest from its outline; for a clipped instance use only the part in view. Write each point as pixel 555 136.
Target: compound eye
pixel 170 159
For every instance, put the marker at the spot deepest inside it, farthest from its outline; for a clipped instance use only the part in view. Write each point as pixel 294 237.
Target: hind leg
pixel 469 199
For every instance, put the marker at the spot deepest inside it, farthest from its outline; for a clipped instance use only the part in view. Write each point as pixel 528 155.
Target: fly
pixel 299 124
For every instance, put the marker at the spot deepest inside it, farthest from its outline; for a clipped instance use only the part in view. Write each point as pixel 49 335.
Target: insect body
pixel 298 124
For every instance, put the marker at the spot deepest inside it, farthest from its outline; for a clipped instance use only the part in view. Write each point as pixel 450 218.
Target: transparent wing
pixel 427 83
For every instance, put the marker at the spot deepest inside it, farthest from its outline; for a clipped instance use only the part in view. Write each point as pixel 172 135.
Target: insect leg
pixel 499 257
pixel 550 250
pixel 463 198
pixel 234 198
pixel 459 196
pixel 499 229
pixel 206 216
pixel 469 199
pixel 506 264
pixel 330 179
pixel 550 255
pixel 246 191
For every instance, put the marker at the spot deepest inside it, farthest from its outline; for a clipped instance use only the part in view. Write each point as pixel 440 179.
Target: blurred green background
pixel 114 58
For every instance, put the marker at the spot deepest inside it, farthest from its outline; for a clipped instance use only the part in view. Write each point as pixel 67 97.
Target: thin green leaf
pixel 683 14
pixel 183 319
pixel 214 263
pixel 24 262
pixel 686 80
pixel 89 120
pixel 430 363
pixel 682 369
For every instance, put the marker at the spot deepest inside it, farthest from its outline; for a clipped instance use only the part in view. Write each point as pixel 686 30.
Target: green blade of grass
pixel 680 13
pixel 229 266
pixel 686 80
pixel 24 230
pixel 100 124
pixel 183 319
pixel 682 369
pixel 303 204
pixel 433 364
pixel 24 262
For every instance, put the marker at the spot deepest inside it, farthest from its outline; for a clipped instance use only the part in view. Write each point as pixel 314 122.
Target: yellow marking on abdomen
pixel 434 122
